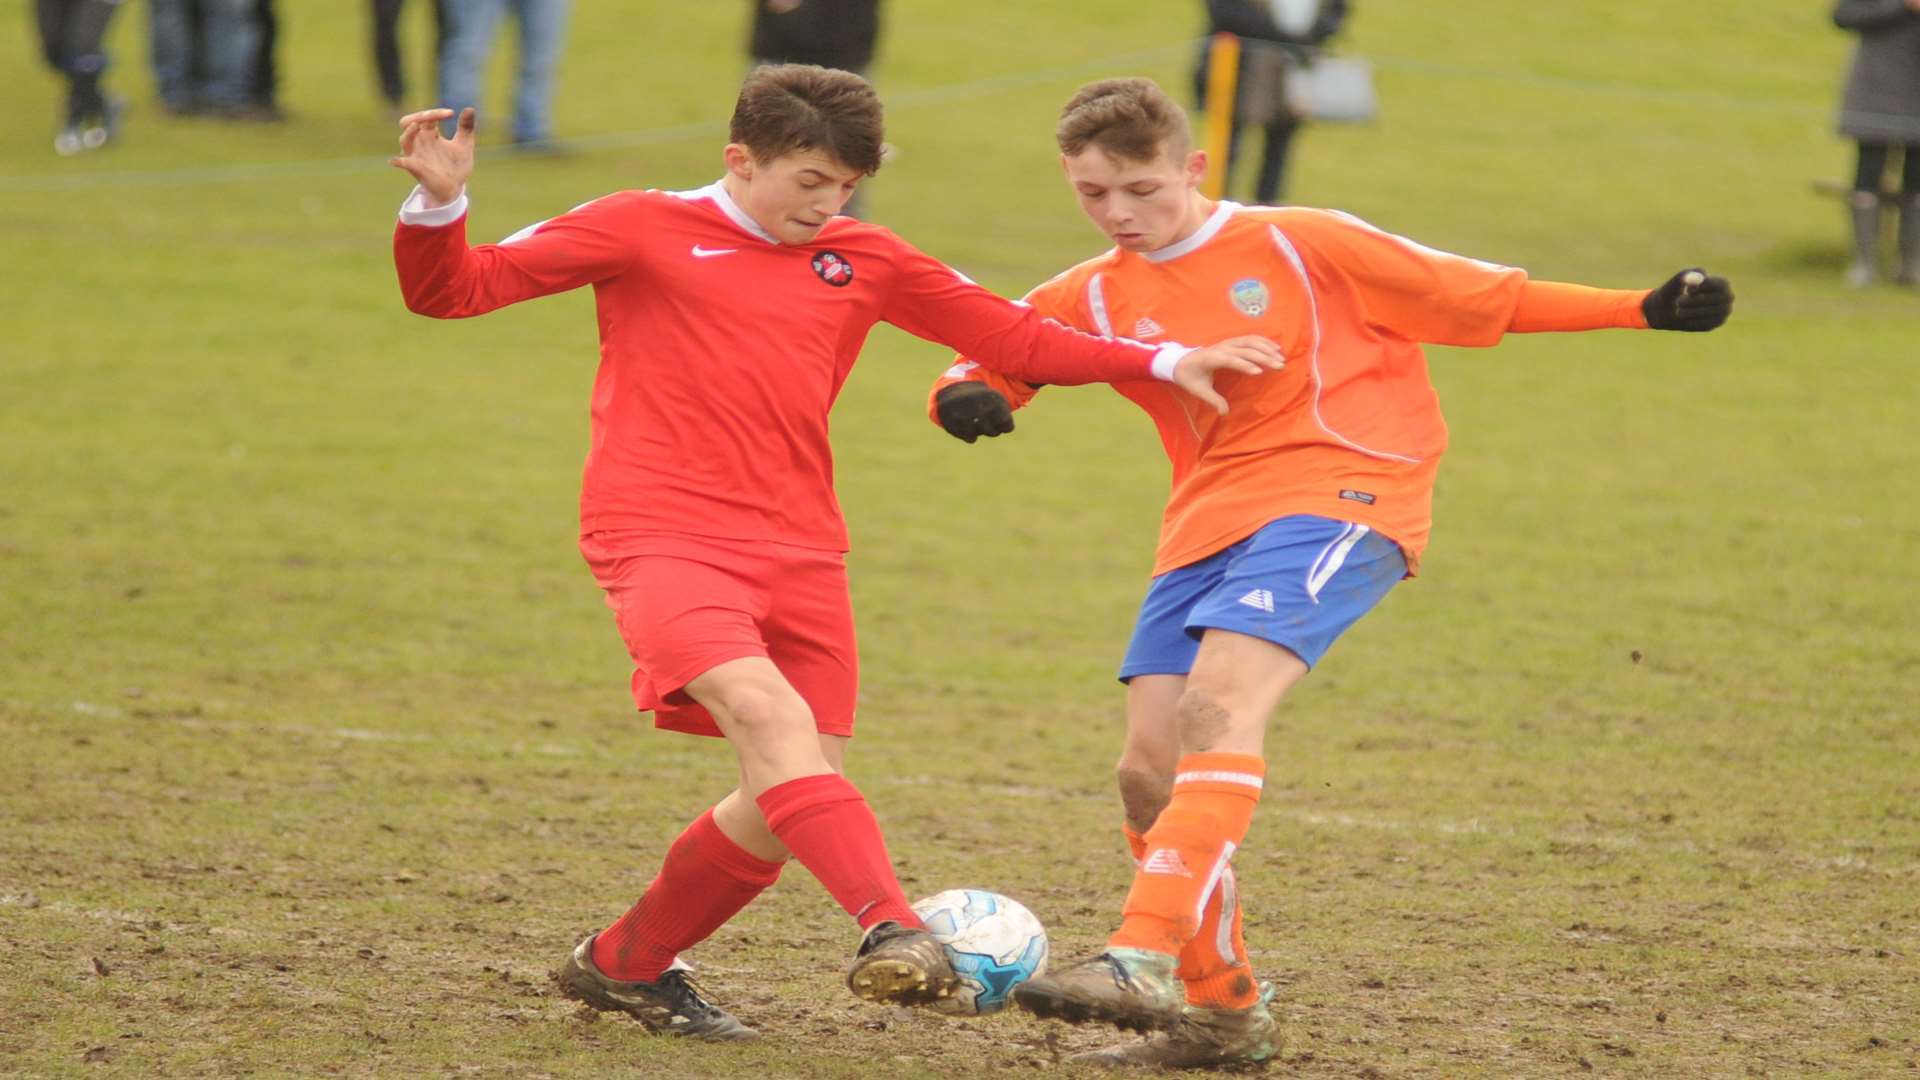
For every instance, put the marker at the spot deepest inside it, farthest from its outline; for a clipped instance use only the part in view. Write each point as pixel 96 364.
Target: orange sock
pixel 1188 849
pixel 1214 965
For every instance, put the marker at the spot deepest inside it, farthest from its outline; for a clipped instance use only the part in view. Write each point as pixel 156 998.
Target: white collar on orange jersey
pixel 718 193
pixel 1221 212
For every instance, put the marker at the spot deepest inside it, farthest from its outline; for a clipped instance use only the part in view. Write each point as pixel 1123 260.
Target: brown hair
pixel 1128 118
pixel 784 108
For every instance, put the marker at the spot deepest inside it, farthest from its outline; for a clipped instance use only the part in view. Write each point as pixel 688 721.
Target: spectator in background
pixel 263 90
pixel 72 34
pixel 1882 110
pixel 469 27
pixel 386 48
pixel 204 55
pixel 829 33
pixel 1274 35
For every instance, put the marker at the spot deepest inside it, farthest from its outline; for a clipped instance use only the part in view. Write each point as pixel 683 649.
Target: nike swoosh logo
pixel 708 253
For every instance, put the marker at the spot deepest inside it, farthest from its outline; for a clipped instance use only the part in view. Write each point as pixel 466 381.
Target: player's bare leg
pixel 773 733
pixel 1236 683
pixel 1152 750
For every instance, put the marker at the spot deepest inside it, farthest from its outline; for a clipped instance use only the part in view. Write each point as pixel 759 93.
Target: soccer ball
pixel 994 944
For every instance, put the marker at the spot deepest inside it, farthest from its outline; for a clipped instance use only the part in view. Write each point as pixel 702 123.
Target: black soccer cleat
pixel 670 1005
pixel 901 965
pixel 1132 989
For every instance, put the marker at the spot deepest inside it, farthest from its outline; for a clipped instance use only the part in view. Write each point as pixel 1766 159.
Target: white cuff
pixel 415 210
pixel 1166 358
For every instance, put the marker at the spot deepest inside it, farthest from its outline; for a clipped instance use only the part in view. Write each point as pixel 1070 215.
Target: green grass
pixel 316 731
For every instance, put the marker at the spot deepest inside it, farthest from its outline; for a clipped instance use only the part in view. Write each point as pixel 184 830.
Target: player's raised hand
pixel 969 410
pixel 440 165
pixel 1248 355
pixel 1691 300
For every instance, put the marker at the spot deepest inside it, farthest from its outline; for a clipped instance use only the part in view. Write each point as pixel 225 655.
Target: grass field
pixel 317 750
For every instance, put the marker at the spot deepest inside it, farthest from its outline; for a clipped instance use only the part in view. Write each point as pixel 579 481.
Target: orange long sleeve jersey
pixel 1351 429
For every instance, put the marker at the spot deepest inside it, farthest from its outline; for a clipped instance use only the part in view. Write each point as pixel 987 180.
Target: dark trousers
pixel 1873 166
pixel 386 45
pixel 265 82
pixel 71 36
pixel 1273 158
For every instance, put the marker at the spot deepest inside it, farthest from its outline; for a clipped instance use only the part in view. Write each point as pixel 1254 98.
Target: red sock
pixel 705 880
pixel 827 824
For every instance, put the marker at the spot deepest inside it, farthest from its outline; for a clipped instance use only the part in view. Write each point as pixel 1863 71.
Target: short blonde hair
pixel 1128 118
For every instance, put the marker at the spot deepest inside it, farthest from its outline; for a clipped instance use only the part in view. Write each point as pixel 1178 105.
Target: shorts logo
pixel 1250 296
pixel 1259 600
pixel 1358 496
pixel 1167 861
pixel 833 269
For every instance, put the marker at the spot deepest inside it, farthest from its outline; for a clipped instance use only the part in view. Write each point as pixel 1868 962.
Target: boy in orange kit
pixel 1289 519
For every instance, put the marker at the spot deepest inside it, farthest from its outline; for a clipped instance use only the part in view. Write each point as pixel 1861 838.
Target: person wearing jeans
pixel 209 66
pixel 470 27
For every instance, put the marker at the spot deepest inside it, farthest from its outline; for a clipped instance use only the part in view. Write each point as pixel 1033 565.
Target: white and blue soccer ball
pixel 994 944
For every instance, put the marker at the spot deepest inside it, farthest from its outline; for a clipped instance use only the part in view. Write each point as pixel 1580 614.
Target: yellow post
pixel 1223 82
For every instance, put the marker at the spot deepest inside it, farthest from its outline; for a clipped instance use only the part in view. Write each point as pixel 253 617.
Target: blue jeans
pixel 470 29
pixel 214 67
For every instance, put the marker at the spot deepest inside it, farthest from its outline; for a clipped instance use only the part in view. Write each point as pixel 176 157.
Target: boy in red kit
pixel 1289 518
pixel 729 318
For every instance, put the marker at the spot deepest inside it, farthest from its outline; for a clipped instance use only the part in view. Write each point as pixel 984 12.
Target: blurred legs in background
pixel 386 48
pixel 72 33
pixel 204 53
pixel 263 82
pixel 470 27
pixel 1864 207
pixel 1278 135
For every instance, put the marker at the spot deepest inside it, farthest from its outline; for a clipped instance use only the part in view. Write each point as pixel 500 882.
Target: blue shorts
pixel 1299 582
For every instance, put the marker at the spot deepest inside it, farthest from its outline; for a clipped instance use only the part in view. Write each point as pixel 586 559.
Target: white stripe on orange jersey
pixel 1313 360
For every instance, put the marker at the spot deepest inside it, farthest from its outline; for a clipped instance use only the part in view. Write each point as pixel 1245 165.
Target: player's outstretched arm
pixel 1248 355
pixel 439 165
pixel 1691 300
pixel 441 276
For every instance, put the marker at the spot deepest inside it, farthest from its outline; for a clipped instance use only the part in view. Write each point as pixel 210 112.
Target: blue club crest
pixel 1251 297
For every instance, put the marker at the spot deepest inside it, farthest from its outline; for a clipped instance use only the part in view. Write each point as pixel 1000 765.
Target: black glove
pixel 969 410
pixel 1691 301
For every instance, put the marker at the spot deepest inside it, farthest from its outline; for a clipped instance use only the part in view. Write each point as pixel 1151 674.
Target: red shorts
pixel 685 604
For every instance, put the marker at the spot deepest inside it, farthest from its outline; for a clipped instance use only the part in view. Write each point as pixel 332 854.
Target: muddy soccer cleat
pixel 1128 988
pixel 1203 1039
pixel 899 965
pixel 670 1005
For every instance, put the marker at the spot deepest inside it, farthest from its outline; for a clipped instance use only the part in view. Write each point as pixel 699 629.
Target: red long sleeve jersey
pixel 722 350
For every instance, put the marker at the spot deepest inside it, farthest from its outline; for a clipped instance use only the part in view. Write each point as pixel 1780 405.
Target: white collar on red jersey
pixel 1221 212
pixel 728 207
